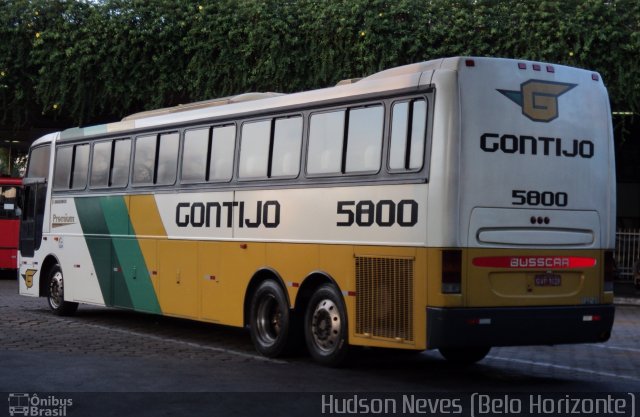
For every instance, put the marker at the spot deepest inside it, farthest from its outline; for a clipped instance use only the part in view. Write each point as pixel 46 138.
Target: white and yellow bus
pixel 454 204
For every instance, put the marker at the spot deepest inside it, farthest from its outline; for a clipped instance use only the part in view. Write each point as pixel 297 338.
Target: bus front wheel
pixel 55 294
pixel 464 356
pixel 269 319
pixel 325 326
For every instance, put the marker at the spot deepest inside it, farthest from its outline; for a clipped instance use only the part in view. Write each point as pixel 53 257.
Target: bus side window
pixel 254 149
pixel 145 155
pixel 110 163
pixel 100 164
pixel 287 142
pixel 62 171
pixel 364 139
pixel 408 134
pixel 194 155
pixel 223 140
pixel 80 167
pixel 326 132
pixel 167 158
pixel 121 159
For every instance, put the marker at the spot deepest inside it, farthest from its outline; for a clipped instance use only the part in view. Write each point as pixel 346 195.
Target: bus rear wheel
pixel 269 320
pixel 325 326
pixel 465 356
pixel 55 294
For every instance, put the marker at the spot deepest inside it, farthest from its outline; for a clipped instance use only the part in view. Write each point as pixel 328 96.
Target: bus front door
pixel 35 193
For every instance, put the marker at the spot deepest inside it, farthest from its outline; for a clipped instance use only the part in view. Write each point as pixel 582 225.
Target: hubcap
pixel 269 319
pixel 326 325
pixel 56 292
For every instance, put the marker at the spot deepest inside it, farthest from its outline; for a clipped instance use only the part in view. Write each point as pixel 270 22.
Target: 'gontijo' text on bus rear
pixel 524 144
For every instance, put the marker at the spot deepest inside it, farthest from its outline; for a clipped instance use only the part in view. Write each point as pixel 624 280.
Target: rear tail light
pixel 451 271
pixel 609 270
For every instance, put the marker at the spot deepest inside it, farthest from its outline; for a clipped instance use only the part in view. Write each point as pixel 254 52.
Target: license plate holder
pixel 547 280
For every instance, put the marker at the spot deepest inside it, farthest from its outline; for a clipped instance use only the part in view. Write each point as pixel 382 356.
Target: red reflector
pixel 479 321
pixel 522 65
pixel 595 77
pixel 536 67
pixel 550 68
pixel 451 271
pixel 528 262
pixel 470 63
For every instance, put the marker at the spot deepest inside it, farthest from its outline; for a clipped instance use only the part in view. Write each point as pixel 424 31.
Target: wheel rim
pixel 326 326
pixel 56 296
pixel 269 319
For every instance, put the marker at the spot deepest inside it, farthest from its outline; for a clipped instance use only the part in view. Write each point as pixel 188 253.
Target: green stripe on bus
pixel 100 248
pixel 118 261
pixel 129 255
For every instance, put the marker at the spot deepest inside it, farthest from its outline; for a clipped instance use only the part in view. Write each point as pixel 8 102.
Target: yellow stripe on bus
pixel 148 228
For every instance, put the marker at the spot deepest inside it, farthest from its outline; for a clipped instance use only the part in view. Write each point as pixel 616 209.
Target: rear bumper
pixel 515 326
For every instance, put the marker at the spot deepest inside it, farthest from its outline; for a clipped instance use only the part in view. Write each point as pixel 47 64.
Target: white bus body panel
pixel 568 157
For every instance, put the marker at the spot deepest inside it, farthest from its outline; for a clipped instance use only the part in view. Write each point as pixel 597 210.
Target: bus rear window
pixel 408 133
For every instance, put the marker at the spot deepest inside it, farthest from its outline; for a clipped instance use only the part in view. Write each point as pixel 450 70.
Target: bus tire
pixel 465 356
pixel 270 320
pixel 55 294
pixel 325 326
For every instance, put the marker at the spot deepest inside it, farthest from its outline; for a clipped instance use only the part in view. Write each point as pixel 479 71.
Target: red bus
pixel 10 197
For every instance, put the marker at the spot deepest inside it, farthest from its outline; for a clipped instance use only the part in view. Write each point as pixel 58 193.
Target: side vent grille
pixel 384 297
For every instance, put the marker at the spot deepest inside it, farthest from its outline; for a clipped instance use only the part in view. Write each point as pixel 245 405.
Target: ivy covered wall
pixel 93 61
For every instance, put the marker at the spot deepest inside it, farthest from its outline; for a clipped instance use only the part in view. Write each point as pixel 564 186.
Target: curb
pixel 626 301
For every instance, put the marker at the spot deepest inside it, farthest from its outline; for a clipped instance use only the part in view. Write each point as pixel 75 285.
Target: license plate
pixel 548 280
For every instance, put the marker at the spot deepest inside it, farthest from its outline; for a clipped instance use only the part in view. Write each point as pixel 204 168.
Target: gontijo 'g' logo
pixel 538 98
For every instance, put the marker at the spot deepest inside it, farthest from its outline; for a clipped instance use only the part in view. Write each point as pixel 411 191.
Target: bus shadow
pixel 398 369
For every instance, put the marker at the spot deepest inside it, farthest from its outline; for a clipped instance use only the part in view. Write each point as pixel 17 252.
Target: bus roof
pixel 403 77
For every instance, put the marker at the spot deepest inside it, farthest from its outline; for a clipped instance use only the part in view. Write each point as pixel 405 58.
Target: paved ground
pixel 108 351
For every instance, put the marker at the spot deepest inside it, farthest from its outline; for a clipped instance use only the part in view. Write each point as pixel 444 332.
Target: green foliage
pixel 89 61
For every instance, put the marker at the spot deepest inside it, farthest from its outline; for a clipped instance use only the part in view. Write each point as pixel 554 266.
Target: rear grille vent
pixel 384 297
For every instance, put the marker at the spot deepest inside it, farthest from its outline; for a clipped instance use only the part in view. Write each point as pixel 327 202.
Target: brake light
pixel 609 270
pixel 451 271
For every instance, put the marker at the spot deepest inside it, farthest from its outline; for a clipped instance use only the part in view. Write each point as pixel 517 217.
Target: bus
pixel 456 204
pixel 10 196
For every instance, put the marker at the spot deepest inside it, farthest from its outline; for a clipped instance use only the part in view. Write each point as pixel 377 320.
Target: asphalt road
pixel 115 362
